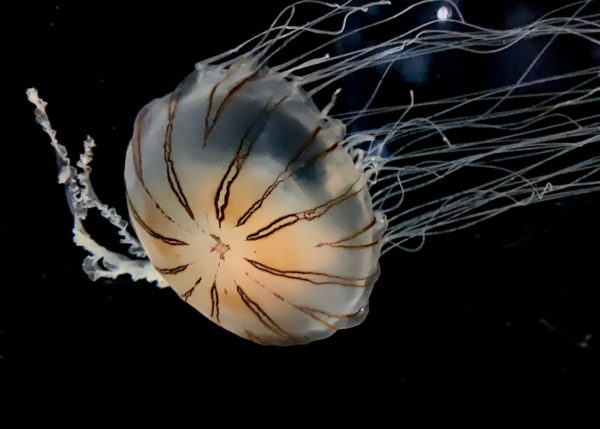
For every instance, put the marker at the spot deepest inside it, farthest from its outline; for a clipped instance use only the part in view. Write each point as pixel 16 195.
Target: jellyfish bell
pixel 246 202
pixel 268 214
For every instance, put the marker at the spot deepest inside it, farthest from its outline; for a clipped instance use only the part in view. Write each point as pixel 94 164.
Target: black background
pixel 492 317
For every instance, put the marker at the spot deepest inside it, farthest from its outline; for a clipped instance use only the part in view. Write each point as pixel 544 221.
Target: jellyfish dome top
pixel 268 216
pixel 259 218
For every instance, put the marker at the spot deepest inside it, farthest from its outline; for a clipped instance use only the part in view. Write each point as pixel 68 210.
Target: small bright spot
pixel 443 13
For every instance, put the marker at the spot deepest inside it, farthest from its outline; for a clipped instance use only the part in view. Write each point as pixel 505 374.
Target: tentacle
pixel 101 262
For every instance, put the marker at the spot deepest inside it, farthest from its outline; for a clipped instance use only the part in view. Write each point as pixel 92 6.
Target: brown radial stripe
pixel 321 154
pixel 329 314
pixel 137 150
pixel 209 109
pixel 190 292
pixel 350 237
pixel 256 338
pixel 303 309
pixel 308 310
pixel 301 275
pixel 150 231
pixel 355 246
pixel 275 294
pixel 274 226
pixel 308 215
pixel 312 316
pixel 174 270
pixel 168 148
pixel 238 161
pixel 137 164
pixel 285 174
pixel 311 312
pixel 263 317
pixel 228 97
pixel 214 302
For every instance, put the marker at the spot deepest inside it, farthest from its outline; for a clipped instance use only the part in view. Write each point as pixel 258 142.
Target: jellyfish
pixel 266 208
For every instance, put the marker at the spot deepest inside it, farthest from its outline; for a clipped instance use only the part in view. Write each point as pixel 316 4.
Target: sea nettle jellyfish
pixel 268 212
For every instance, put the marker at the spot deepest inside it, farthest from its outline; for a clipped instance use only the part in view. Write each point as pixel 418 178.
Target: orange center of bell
pixel 220 247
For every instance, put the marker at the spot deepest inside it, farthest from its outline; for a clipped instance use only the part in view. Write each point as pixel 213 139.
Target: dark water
pixel 502 316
